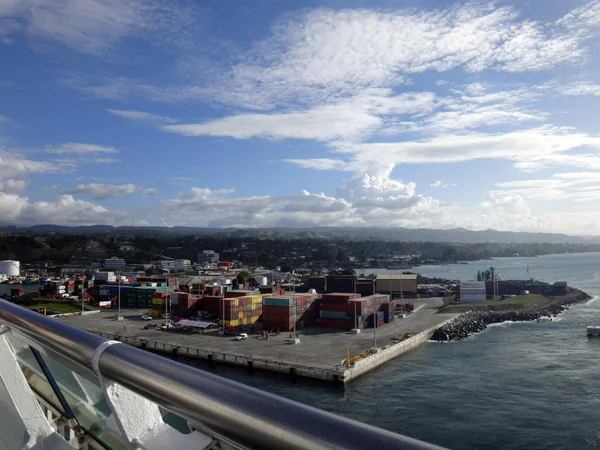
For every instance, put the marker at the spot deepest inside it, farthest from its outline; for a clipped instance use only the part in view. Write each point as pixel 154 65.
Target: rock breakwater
pixel 475 321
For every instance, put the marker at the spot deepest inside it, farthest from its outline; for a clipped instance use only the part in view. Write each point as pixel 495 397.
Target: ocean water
pixel 513 386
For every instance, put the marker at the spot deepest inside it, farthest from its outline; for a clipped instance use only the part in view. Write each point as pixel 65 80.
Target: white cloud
pixel 12 186
pixel 141 116
pixel 316 56
pixel 537 147
pixel 561 186
pixel 74 148
pixel 322 124
pixel 319 164
pixel 94 26
pixel 441 184
pixel 105 191
pixel 50 188
pixel 580 88
pixel 13 164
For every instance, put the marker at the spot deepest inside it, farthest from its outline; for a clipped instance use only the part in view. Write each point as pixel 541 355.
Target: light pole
pixel 82 298
pixel 355 316
pixel 375 331
pixel 295 304
pixel 119 299
pixel 167 296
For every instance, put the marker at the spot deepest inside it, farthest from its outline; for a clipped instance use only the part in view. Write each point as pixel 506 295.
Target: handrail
pixel 239 413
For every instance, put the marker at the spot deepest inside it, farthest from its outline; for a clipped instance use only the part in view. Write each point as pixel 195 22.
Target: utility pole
pixel 82 299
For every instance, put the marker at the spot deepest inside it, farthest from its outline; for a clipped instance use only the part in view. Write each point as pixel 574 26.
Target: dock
pixel 321 353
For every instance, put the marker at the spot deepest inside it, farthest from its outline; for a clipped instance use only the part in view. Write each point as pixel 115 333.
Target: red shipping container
pixel 339 297
pixel 331 323
pixel 330 306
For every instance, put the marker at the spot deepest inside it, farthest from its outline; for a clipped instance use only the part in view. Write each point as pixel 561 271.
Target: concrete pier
pixel 321 353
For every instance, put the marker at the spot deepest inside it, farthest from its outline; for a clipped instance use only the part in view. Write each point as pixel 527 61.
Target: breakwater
pixel 479 318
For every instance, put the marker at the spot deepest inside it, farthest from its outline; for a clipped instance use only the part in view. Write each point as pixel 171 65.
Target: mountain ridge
pixel 400 234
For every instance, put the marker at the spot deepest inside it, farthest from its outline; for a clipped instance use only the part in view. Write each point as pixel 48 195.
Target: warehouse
pixel 397 285
pixel 472 291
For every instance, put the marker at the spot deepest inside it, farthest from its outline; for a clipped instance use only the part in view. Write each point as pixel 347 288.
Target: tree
pixel 150 271
pixel 243 277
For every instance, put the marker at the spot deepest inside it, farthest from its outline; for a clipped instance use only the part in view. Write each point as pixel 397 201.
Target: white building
pixel 114 263
pixel 208 257
pixel 472 291
pixel 10 268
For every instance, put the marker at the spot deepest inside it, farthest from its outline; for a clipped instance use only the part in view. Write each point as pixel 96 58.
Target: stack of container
pixel 279 311
pixel 388 312
pixel 183 301
pixel 347 311
pixel 239 310
pixel 333 309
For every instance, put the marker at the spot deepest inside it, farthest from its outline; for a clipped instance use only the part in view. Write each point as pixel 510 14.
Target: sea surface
pixel 513 386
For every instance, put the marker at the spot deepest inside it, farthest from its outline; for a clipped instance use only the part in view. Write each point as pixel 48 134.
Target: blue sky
pixel 275 113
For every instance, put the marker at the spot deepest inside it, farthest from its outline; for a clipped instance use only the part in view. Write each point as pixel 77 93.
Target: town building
pixel 114 263
pixel 208 257
pixel 397 286
pixel 472 291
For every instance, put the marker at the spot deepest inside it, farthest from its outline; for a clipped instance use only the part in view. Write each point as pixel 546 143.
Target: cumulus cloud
pixel 106 191
pixel 12 186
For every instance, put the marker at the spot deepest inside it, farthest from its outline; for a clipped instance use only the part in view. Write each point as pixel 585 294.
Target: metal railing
pixel 216 406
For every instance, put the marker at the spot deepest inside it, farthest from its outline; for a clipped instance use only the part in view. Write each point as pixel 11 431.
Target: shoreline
pixel 479 318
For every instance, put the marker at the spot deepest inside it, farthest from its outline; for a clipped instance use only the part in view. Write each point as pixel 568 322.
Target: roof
pixel 412 276
pixel 194 323
pixel 187 281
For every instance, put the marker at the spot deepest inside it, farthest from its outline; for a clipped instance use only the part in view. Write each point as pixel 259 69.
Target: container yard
pixel 326 353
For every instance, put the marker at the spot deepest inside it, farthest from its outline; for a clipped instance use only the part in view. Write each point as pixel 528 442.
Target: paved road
pixel 319 348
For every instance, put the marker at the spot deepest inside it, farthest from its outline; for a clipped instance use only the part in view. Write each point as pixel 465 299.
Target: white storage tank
pixel 10 268
pixel 260 280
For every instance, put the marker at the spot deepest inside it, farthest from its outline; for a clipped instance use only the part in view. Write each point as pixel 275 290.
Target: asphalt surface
pixel 319 347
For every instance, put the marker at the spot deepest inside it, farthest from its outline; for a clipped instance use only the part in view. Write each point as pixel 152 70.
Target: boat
pixel 593 330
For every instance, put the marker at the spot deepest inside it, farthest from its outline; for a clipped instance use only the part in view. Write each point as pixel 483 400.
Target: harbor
pixel 326 354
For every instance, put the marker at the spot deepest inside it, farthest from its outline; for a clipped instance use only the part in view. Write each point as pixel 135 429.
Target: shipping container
pixel 332 314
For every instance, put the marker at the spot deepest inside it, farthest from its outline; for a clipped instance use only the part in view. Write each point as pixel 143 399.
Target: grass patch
pixel 520 302
pixel 63 307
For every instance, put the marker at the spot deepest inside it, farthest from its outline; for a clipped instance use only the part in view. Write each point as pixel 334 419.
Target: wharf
pixel 321 353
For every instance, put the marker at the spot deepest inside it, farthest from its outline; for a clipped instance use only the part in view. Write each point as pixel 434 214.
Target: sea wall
pixel 477 320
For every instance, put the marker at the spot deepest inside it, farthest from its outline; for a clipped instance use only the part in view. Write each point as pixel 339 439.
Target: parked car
pixel 146 317
pixel 166 315
pixel 241 337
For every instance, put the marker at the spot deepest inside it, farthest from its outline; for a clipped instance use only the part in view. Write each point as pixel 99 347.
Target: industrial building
pixel 114 263
pixel 472 291
pixel 397 286
pixel 208 257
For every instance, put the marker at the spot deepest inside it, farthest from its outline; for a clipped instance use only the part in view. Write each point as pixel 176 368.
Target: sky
pixel 302 113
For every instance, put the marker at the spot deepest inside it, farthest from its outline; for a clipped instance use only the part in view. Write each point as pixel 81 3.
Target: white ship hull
pixel 593 331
